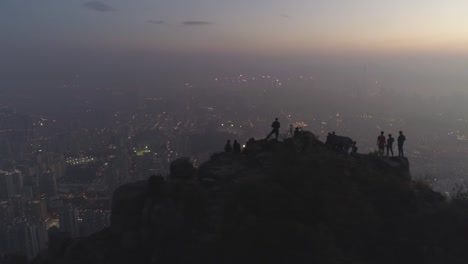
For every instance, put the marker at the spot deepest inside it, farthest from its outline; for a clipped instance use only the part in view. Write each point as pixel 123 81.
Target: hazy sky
pixel 422 44
pixel 243 26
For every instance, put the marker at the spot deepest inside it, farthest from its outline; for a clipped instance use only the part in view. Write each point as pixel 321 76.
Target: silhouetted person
pixel 228 147
pixel 381 143
pixel 401 140
pixel 329 139
pixel 354 148
pixel 333 141
pixel 296 132
pixel 276 126
pixel 236 147
pixel 390 141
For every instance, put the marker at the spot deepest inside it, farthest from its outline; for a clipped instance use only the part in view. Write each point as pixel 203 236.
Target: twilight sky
pixel 423 44
pixel 273 27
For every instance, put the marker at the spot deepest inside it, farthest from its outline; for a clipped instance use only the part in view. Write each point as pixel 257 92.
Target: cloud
pixel 196 23
pixel 98 6
pixel 156 22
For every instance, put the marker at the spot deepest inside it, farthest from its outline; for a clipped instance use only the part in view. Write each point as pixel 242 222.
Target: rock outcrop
pixel 296 201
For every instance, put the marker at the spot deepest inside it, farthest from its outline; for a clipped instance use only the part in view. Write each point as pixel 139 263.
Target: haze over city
pixel 96 94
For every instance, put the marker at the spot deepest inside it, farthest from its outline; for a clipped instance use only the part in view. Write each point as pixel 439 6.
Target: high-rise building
pixel 48 184
pixel 68 219
pixel 11 184
pixel 41 234
pixel 7 212
pixel 36 210
pixel 18 184
pixel 59 167
pixel 7 187
pixel 18 203
pixel 21 239
pixel 26 237
pixel 34 185
pixel 28 193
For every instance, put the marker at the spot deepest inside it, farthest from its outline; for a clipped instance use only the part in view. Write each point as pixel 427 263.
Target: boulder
pixel 182 169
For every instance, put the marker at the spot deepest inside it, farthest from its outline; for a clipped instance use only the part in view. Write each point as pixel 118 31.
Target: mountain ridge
pixel 296 201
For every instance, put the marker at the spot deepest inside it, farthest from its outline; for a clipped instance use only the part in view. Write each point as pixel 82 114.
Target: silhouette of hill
pixel 296 201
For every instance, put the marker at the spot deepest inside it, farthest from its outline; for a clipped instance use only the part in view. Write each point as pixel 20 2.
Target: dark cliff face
pixel 292 202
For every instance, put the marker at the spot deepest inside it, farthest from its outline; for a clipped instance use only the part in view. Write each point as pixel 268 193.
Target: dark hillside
pixel 295 201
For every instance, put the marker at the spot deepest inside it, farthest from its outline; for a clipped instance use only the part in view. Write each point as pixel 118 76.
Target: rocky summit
pixel 296 201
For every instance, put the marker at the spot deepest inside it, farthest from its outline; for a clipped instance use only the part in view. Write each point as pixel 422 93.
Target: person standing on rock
pixel 354 148
pixel 401 140
pixel 298 132
pixel 228 147
pixel 381 143
pixel 390 141
pixel 276 126
pixel 236 147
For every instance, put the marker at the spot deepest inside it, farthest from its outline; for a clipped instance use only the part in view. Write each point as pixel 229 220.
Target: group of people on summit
pixel 383 142
pixel 235 148
pixel 342 143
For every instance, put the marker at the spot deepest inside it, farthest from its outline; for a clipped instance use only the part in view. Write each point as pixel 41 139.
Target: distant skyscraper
pixel 11 184
pixel 59 167
pixel 18 203
pixel 21 239
pixel 6 212
pixel 17 181
pixel 68 219
pixel 36 210
pixel 6 185
pixel 26 238
pixel 48 184
pixel 41 234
